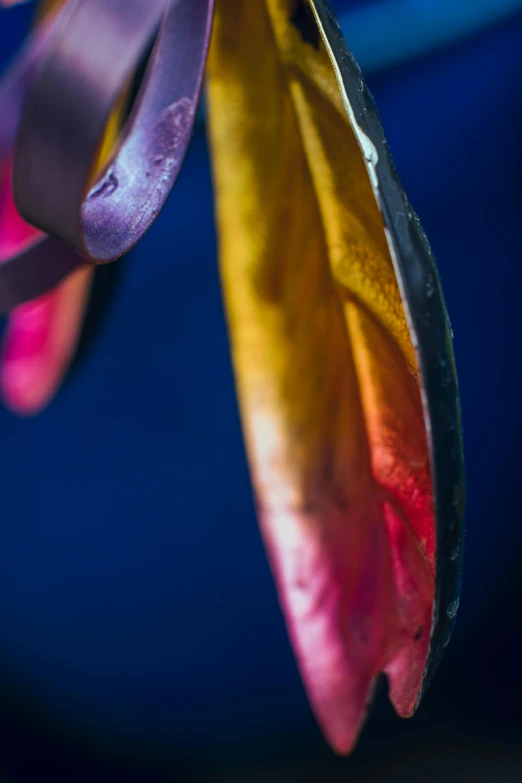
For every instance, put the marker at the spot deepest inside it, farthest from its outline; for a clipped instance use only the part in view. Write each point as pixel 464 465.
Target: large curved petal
pixel 328 378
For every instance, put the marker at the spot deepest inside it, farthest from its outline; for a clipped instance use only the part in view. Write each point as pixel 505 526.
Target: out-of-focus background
pixel 140 635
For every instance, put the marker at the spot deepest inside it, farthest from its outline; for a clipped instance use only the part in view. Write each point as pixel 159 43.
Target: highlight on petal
pixel 15 234
pixel 326 372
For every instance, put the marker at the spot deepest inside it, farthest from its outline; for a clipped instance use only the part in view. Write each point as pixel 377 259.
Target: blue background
pixel 140 635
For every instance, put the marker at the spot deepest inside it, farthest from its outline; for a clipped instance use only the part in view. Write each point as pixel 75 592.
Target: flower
pixel 342 354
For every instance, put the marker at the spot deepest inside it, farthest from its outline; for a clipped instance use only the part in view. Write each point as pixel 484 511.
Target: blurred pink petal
pixel 41 335
pixel 40 343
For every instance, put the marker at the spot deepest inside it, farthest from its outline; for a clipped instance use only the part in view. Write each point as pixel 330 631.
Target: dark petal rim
pixel 430 329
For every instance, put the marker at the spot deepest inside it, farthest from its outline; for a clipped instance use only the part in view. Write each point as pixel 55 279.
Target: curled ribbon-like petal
pixel 41 337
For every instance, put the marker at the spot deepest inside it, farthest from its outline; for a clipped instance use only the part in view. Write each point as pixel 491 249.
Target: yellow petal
pixel 326 371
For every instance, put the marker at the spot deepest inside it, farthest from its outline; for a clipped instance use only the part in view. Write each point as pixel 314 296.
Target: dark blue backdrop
pixel 138 620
